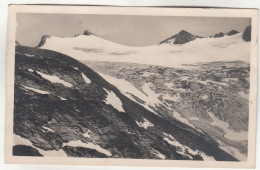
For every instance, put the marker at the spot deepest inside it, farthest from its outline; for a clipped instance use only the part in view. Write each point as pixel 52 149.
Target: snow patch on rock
pixel 48 129
pixel 113 100
pixel 159 154
pixel 175 98
pixel 87 134
pixel 86 79
pixel 18 140
pixel 89 145
pixel 194 118
pixel 204 97
pixel 152 97
pixel 145 124
pixel 181 149
pixel 62 98
pixel 55 79
pixel 229 134
pixel 127 89
pixel 35 90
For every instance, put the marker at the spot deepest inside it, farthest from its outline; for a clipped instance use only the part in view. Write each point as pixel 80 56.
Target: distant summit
pixel 184 37
pixel 181 38
pixel 86 32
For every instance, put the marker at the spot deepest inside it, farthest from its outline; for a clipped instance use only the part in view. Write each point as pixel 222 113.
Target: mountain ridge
pixel 184 37
pixel 180 38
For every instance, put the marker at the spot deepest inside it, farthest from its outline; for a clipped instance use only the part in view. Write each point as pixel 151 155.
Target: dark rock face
pixel 218 35
pixel 83 152
pixel 43 40
pixel 72 111
pixel 247 34
pixel 232 32
pixel 184 37
pixel 22 150
pixel 181 38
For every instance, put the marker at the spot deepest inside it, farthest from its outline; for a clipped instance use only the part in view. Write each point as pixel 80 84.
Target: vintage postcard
pixel 131 86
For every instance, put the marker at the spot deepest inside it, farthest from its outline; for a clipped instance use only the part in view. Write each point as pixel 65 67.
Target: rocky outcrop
pixel 43 40
pixel 22 150
pixel 247 34
pixel 218 35
pixel 17 43
pixel 83 152
pixel 86 32
pixel 232 32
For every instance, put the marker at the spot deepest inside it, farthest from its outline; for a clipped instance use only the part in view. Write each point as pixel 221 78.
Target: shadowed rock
pixel 43 40
pixel 22 150
pixel 86 32
pixel 181 38
pixel 218 35
pixel 247 34
pixel 83 152
pixel 17 43
pixel 232 32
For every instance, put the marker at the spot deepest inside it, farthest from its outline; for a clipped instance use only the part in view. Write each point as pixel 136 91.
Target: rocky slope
pixel 64 108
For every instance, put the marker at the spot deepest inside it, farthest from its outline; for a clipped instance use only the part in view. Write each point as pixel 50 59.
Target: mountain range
pixel 84 96
pixel 208 49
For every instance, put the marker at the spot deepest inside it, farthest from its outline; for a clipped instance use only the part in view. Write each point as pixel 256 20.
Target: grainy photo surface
pixel 120 86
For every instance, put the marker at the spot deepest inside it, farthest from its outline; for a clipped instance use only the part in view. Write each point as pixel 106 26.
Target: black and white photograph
pixel 132 86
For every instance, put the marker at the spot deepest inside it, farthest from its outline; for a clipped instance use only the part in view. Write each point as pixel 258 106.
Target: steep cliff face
pixel 64 108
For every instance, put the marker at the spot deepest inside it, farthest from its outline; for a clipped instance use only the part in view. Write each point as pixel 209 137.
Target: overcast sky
pixel 127 30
